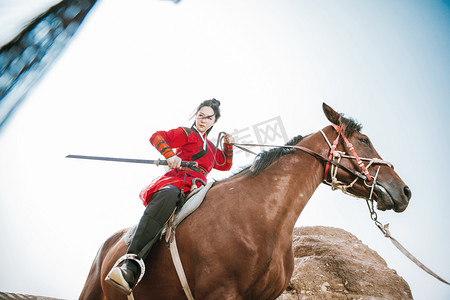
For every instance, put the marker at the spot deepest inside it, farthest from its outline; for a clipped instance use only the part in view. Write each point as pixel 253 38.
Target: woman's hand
pixel 228 138
pixel 174 162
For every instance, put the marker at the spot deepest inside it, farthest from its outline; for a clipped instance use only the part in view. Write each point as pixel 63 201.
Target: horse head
pixel 358 169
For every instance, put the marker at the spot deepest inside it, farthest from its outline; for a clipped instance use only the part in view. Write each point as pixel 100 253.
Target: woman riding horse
pixel 238 243
pixel 162 195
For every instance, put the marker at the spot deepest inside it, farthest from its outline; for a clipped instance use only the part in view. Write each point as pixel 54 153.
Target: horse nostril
pixel 407 192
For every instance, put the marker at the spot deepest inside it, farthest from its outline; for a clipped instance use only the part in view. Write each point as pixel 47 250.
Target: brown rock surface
pixel 331 263
pixel 13 296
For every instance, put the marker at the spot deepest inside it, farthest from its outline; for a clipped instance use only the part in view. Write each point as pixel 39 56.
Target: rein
pixel 306 150
pixel 333 164
pixel 385 230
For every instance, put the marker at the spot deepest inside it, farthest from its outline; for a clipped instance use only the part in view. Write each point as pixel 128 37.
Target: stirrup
pixel 115 277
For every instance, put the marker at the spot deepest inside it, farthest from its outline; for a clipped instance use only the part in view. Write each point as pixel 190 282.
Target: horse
pixel 238 243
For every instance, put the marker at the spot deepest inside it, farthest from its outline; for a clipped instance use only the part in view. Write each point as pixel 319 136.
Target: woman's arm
pixel 165 141
pixel 224 159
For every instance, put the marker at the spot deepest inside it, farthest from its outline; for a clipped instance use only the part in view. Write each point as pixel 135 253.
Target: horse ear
pixel 331 114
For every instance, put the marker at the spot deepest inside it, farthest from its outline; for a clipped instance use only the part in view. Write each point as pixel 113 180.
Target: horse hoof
pixel 115 278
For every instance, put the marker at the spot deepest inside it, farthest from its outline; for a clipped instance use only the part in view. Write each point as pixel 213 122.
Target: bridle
pixel 339 185
pixel 337 156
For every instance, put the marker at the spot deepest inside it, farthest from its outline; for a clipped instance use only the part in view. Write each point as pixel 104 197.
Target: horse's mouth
pixel 392 197
pixel 384 199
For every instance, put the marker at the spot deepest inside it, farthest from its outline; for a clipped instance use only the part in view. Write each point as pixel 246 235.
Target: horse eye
pixel 365 141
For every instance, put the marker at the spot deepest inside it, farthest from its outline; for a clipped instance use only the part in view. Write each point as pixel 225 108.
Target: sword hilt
pixel 189 164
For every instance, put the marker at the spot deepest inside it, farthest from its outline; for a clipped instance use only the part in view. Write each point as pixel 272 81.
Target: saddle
pixel 192 202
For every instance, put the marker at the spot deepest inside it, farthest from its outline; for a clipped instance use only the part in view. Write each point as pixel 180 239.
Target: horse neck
pixel 287 185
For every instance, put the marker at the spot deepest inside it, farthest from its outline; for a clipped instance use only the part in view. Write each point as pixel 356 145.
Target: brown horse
pixel 238 243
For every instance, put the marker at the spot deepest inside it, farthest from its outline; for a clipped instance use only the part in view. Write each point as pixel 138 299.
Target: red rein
pixel 350 147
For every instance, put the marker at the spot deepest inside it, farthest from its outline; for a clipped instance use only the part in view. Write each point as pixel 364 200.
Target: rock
pixel 331 263
pixel 12 296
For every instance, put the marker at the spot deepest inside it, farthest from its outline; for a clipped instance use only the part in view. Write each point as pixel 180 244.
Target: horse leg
pixel 92 288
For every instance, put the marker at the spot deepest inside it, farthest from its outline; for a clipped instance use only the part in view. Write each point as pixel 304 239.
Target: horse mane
pixel 266 158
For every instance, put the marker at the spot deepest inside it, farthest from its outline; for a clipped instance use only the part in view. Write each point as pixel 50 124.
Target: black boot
pixel 130 270
pixel 123 278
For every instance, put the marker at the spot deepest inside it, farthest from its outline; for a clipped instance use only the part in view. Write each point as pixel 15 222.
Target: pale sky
pixel 144 65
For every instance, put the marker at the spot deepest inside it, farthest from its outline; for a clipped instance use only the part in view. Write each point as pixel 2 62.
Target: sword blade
pixel 132 160
pixel 117 159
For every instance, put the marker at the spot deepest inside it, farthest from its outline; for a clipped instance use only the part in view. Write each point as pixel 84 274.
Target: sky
pixel 144 65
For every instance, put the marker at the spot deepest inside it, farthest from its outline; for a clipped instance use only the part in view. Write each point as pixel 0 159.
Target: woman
pixel 162 195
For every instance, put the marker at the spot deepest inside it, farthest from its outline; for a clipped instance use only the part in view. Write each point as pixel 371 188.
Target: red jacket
pixel 189 146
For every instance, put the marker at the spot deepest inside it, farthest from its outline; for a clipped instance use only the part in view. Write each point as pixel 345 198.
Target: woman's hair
pixel 214 104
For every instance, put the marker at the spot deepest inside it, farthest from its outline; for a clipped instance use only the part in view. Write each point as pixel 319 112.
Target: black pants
pixel 157 212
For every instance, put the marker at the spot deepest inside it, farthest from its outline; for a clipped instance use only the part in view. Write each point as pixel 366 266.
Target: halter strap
pixel 352 150
pixel 332 149
pixel 358 160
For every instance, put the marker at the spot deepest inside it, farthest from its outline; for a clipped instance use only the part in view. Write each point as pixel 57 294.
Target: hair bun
pixel 215 101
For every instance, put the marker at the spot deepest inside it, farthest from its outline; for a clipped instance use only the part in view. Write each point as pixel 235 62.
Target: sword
pixel 157 162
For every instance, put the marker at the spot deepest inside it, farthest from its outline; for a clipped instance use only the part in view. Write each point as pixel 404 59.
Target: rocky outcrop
pixel 331 263
pixel 12 296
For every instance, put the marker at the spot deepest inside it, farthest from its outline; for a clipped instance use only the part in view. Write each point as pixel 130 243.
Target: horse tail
pixel 92 288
